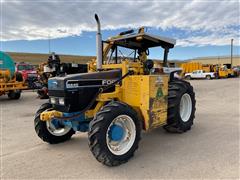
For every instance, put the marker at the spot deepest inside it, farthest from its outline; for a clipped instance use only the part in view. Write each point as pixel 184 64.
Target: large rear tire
pixel 114 134
pixel 181 107
pixel 47 131
pixel 14 94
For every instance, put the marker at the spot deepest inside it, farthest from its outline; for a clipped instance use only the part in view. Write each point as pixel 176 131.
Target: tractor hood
pixel 94 79
pixel 73 93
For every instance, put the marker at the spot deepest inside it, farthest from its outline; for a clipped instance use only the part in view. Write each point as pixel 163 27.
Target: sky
pixel 201 28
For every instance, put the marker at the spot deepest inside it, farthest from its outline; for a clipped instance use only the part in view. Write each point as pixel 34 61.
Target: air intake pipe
pixel 99 44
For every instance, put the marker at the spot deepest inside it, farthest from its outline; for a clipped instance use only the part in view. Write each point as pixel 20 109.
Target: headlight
pixel 61 101
pixel 53 100
pixel 57 101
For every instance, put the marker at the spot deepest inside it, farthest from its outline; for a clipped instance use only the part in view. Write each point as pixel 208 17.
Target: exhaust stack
pixel 99 44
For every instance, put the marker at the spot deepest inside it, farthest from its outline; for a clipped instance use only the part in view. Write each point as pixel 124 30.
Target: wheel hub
pixel 56 124
pixel 57 129
pixel 121 135
pixel 116 133
pixel 185 107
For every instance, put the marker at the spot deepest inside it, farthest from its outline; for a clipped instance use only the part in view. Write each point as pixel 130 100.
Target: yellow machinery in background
pixel 230 70
pixel 221 70
pixel 190 67
pixel 11 82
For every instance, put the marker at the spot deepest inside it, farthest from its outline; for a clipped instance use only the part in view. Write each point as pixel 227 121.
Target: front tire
pixel 47 131
pixel 114 134
pixel 181 107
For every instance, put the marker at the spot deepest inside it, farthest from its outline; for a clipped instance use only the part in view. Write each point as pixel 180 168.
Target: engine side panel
pixel 148 93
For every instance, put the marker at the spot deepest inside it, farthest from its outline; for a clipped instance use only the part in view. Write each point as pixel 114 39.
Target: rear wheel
pixel 181 107
pixel 51 131
pixel 208 77
pixel 114 134
pixel 14 94
pixel 188 77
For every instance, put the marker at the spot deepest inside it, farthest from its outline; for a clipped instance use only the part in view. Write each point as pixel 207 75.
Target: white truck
pixel 200 74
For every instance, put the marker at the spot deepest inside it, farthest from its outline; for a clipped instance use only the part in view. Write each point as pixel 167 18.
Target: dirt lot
pixel 209 150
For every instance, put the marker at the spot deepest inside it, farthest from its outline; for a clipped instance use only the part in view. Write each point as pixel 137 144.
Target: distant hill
pixel 36 59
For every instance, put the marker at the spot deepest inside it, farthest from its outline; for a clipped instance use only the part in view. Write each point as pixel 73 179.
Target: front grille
pixel 83 83
pixel 56 93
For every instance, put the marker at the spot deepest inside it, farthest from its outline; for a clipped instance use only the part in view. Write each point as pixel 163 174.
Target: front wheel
pixel 51 131
pixel 114 134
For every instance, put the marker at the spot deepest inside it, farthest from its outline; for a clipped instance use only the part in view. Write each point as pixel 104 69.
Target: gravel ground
pixel 209 150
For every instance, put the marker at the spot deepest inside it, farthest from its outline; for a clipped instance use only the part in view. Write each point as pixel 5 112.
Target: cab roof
pixel 142 41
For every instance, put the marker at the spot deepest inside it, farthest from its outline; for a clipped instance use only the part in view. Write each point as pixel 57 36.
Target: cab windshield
pixel 118 53
pixel 25 67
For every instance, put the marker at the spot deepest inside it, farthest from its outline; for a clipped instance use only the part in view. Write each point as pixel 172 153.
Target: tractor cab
pixel 132 47
pixel 140 42
pixel 135 47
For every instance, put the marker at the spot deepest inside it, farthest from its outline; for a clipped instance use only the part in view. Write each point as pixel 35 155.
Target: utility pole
pixel 49 44
pixel 231 52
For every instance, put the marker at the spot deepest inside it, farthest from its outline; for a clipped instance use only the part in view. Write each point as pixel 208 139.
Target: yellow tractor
pixel 11 82
pixel 117 98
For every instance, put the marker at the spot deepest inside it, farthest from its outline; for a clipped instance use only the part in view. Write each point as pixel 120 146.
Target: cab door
pixel 200 74
pixel 194 74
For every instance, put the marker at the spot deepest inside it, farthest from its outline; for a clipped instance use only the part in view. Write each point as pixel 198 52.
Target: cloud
pixel 203 22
